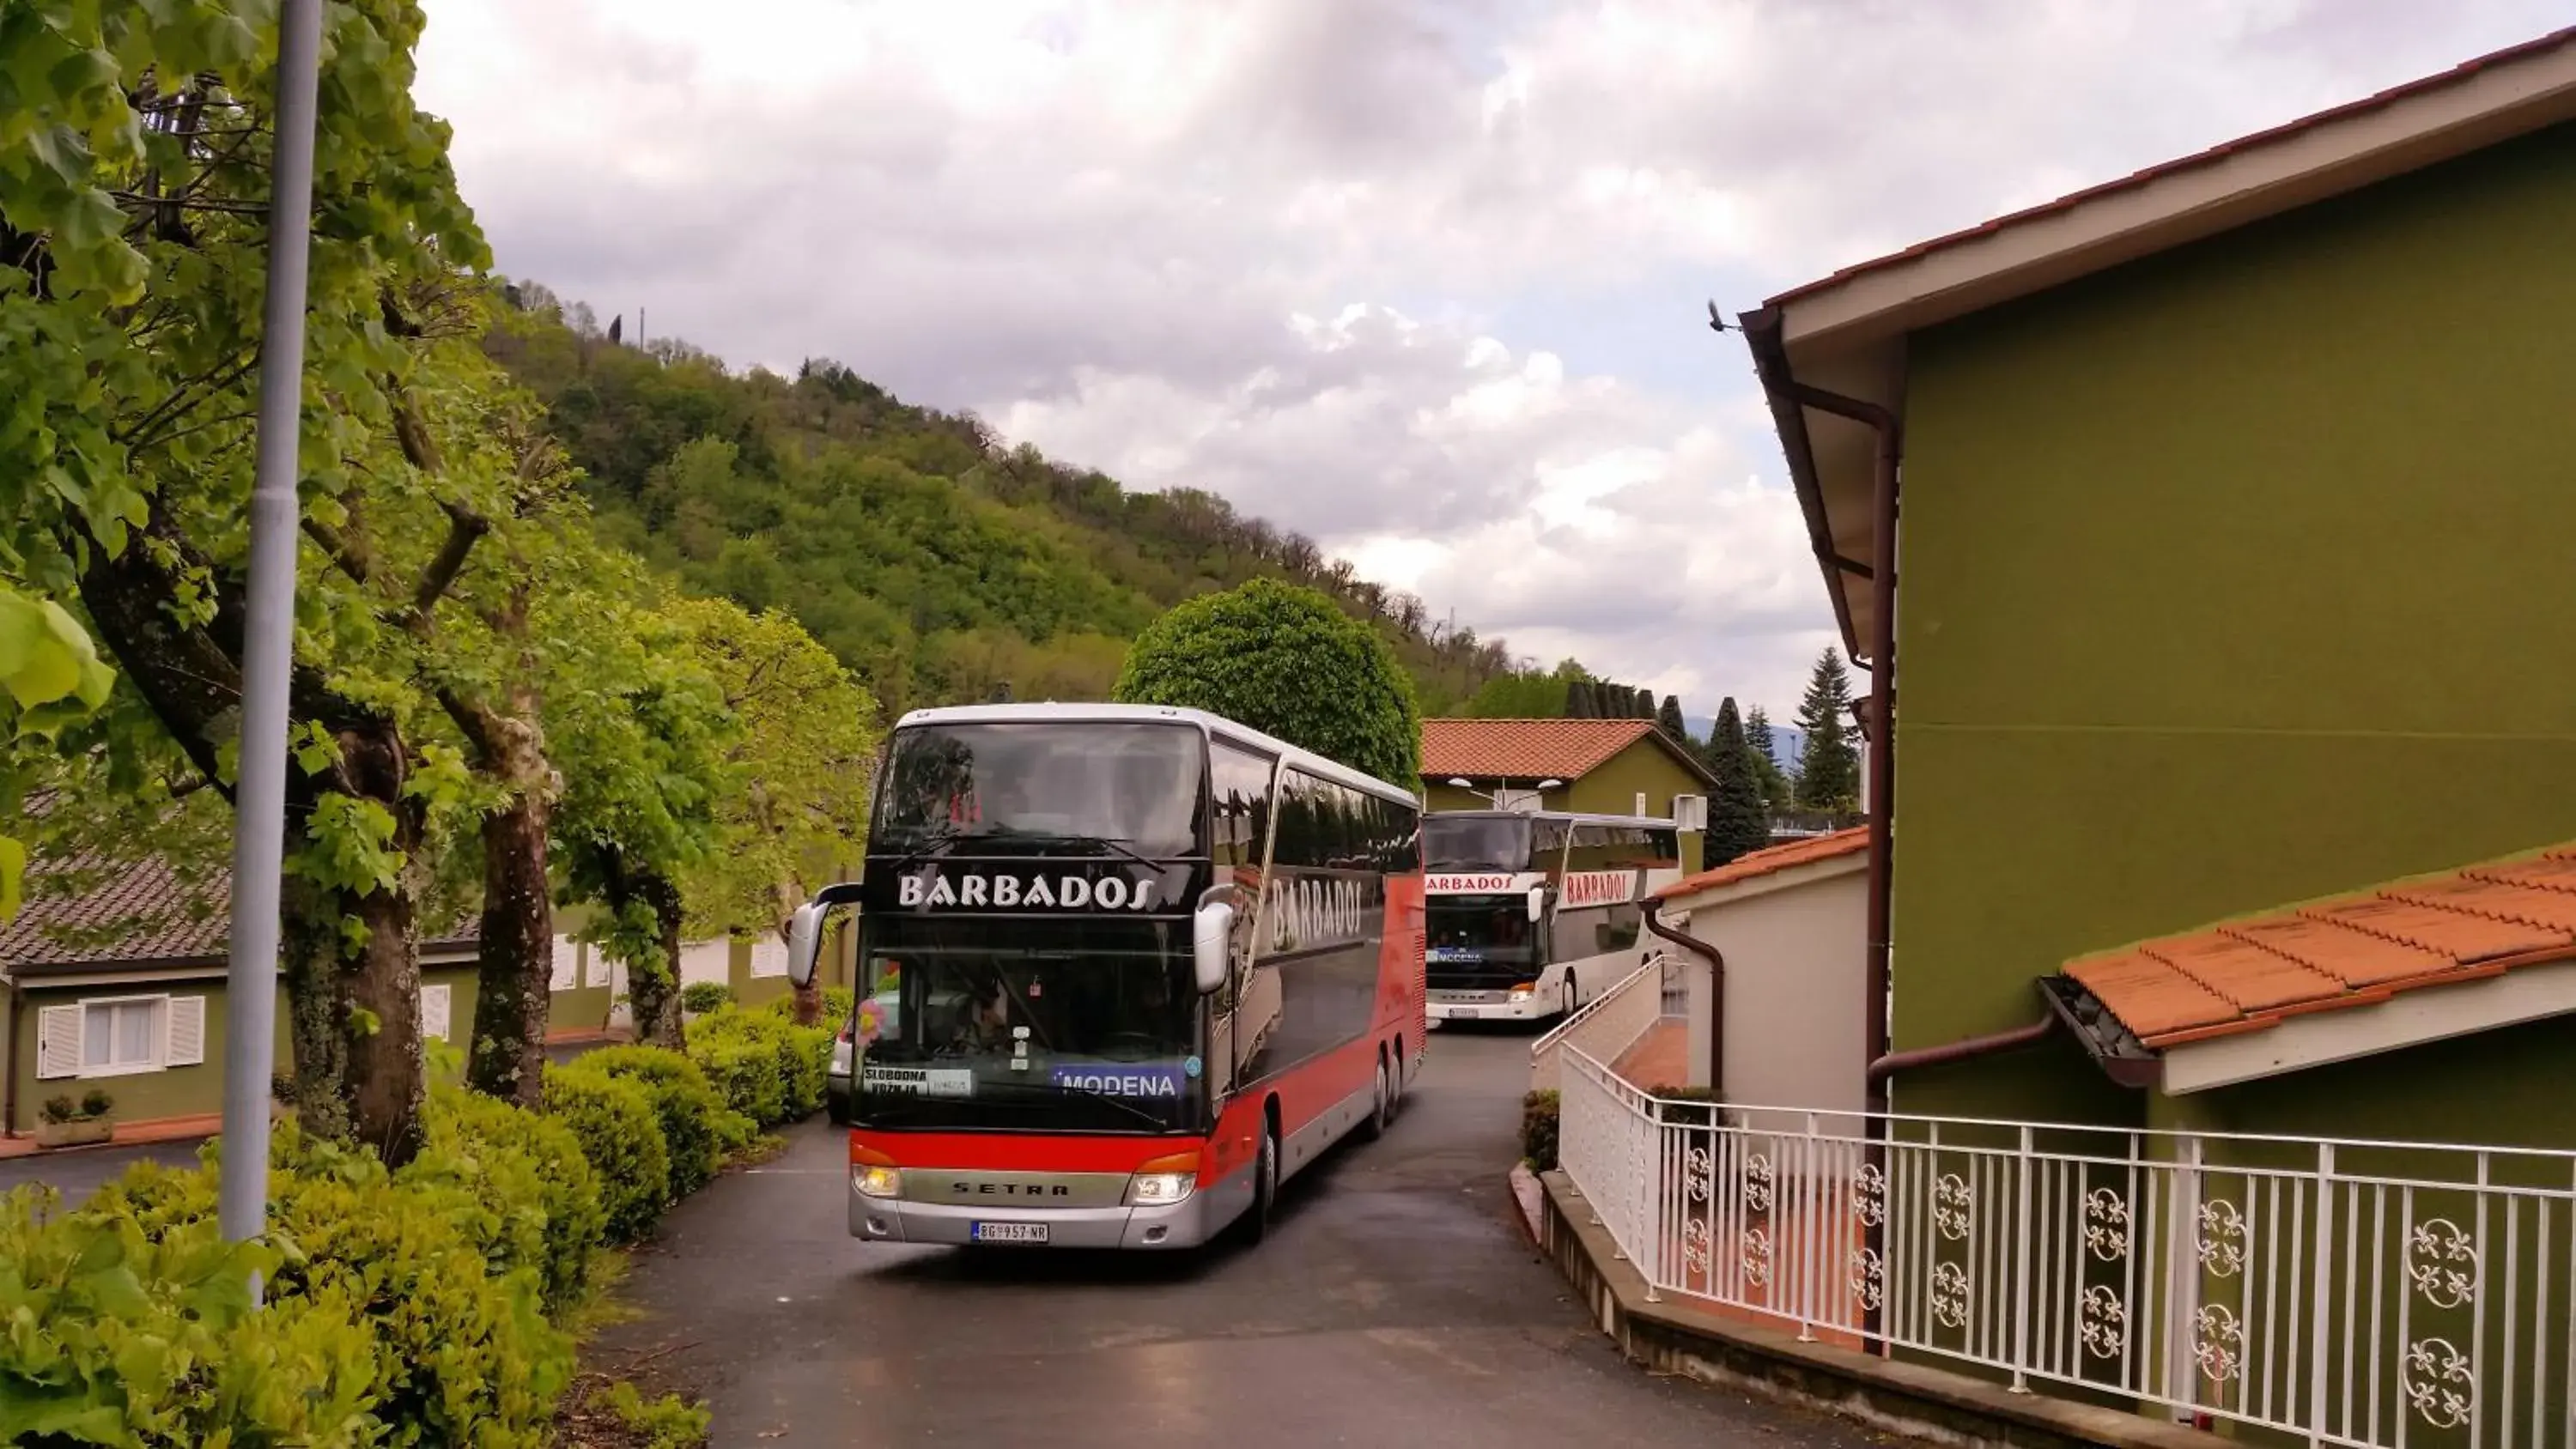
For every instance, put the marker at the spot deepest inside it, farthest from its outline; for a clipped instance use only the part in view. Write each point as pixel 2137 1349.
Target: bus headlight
pixel 1524 991
pixel 876 1181
pixel 1164 1181
pixel 1160 1189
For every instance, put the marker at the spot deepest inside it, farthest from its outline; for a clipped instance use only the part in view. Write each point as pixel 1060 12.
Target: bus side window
pixel 1239 792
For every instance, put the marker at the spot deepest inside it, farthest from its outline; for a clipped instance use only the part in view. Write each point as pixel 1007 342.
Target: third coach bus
pixel 1123 970
pixel 1533 913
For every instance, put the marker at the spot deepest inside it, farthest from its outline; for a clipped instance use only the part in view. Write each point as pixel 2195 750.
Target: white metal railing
pixel 1605 1026
pixel 2380 1294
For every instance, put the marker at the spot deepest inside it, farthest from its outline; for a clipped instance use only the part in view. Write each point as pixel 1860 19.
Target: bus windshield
pixel 1090 1026
pixel 1013 787
pixel 1478 930
pixel 1475 842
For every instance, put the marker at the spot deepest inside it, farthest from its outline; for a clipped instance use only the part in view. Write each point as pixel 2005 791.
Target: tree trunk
pixel 515 982
pixel 654 994
pixel 353 1004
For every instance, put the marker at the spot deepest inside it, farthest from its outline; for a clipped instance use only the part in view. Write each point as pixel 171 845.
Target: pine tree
pixel 1766 762
pixel 1579 700
pixel 1737 821
pixel 1829 773
pixel 1645 704
pixel 1670 717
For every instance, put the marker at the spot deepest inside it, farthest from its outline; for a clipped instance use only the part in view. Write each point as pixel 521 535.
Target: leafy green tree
pixel 1829 769
pixel 133 182
pixel 1737 822
pixel 1766 763
pixel 798 760
pixel 646 762
pixel 1288 662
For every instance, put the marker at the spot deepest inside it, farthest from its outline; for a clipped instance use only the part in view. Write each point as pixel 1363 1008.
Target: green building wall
pixel 2234 577
pixel 188 1091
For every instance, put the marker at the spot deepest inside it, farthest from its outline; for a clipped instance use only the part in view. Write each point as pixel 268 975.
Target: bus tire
pixel 1395 1086
pixel 1565 995
pixel 1382 1110
pixel 1265 1186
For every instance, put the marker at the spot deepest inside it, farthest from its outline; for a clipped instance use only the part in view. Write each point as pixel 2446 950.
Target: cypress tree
pixel 1737 821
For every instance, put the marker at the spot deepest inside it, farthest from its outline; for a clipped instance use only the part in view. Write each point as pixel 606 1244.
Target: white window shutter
pixel 567 965
pixel 185 1020
pixel 433 1011
pixel 58 1042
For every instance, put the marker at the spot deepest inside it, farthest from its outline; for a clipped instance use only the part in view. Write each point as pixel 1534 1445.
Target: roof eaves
pixel 1762 336
pixel 2147 176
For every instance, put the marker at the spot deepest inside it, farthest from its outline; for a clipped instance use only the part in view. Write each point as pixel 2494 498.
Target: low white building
pixel 1790 924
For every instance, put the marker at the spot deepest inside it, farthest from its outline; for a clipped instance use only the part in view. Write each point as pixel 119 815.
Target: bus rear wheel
pixel 1382 1110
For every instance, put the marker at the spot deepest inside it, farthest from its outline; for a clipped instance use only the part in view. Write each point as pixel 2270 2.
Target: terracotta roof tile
pixel 2154 998
pixel 2350 951
pixel 87 910
pixel 1774 858
pixel 1529 750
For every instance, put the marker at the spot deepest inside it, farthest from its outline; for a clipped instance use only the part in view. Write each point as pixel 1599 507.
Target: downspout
pixel 1716 987
pixel 1959 1051
pixel 1788 397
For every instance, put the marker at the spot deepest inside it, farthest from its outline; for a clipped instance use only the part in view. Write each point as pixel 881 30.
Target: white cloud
pixel 1265 247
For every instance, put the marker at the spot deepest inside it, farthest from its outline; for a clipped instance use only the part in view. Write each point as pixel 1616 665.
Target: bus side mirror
pixel 1211 937
pixel 1538 904
pixel 804 943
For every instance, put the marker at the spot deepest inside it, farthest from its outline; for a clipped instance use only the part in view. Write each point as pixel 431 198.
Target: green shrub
pixel 535 1199
pixel 119 1336
pixel 1538 1131
pixel 461 1354
pixel 698 1128
pixel 1693 1106
pixel 700 996
pixel 769 1068
pixel 621 1135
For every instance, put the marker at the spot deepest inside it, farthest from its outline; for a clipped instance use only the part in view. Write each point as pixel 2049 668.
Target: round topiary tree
pixel 1288 662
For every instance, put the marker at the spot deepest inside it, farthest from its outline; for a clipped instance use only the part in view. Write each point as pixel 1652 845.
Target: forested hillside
pixel 932 560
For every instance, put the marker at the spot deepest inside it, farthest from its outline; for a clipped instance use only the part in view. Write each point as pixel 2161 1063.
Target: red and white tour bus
pixel 1123 970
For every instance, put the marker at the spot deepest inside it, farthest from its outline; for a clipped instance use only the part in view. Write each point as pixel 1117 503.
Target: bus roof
pixel 1214 724
pixel 1579 816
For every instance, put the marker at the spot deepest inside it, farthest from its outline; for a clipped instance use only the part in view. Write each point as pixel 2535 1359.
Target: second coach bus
pixel 1533 913
pixel 1124 969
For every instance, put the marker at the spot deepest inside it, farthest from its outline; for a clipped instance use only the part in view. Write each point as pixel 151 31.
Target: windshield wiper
pixel 1114 844
pixel 929 846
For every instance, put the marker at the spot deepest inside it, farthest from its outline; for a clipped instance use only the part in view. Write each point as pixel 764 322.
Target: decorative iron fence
pixel 2376 1294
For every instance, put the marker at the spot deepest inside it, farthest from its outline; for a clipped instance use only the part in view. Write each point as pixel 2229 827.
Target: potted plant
pixel 70 1124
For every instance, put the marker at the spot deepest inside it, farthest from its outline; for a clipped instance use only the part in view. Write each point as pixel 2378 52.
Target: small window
pixel 121 1036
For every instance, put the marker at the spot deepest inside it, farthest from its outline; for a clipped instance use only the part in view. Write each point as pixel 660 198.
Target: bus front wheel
pixel 1265 1187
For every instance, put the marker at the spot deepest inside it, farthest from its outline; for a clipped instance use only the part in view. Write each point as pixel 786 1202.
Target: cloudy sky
pixel 1423 279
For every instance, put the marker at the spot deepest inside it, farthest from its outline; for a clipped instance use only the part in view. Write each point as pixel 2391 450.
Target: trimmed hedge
pixel 390 1316
pixel 411 1308
pixel 769 1069
pixel 700 996
pixel 534 1200
pixel 698 1129
pixel 621 1135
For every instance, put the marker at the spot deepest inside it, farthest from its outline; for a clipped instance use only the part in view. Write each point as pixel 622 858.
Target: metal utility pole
pixel 259 818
